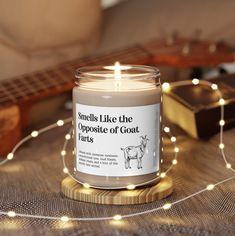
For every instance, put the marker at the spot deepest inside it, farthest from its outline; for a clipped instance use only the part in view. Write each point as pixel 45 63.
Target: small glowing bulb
pixel 176 149
pixel 167 206
pixel 117 217
pixel 174 162
pixel 67 136
pixel 228 165
pixel 221 146
pixel 86 185
pixel 158 173
pixel 64 218
pixel 63 153
pixel 161 160
pixel 11 213
pixel 34 134
pixel 173 139
pixel 221 122
pixel 60 122
pixel 210 186
pixel 10 156
pixel 167 129
pixel 163 175
pixel 221 101
pixel 130 186
pixel 166 87
pixel 66 170
pixel 214 86
pixel 195 81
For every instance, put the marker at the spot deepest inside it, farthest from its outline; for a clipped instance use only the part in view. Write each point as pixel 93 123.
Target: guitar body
pixel 10 129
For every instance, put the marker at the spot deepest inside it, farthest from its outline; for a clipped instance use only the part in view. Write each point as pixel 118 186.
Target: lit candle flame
pixel 117 71
pixel 117 75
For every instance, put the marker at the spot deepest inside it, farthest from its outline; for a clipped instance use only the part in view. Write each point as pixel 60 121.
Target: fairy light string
pixel 166 87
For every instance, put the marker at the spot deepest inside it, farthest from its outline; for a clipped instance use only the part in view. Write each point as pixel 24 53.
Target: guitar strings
pixel 70 66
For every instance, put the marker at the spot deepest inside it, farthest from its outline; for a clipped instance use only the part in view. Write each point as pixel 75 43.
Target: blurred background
pixel 43 42
pixel 38 34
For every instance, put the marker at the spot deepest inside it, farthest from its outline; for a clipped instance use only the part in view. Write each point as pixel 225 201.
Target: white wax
pixel 111 93
pixel 117 93
pixel 120 85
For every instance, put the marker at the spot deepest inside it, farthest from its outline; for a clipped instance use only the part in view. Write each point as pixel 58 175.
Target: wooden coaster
pixel 76 191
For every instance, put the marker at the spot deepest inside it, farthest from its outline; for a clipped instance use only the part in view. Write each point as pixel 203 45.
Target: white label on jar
pixel 117 141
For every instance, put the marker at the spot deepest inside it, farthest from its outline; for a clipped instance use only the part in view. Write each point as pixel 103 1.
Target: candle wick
pixel 117 75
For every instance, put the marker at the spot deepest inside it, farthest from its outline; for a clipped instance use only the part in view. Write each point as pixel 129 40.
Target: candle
pixel 117 125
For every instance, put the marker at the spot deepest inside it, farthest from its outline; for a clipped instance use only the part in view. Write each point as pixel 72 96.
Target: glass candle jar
pixel 117 114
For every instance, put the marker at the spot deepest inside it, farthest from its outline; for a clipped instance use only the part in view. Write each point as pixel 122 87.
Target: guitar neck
pixel 53 81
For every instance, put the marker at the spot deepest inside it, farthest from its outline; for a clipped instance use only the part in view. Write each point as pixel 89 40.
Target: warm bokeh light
pixel 210 186
pixel 166 87
pixel 195 81
pixel 86 185
pixel 64 218
pixel 117 217
pixel 60 122
pixel 34 134
pixel 167 206
pixel 63 153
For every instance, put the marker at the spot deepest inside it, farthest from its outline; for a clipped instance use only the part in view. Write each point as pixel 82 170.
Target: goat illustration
pixel 135 152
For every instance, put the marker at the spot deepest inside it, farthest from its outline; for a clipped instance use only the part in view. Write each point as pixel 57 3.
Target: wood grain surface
pixel 71 189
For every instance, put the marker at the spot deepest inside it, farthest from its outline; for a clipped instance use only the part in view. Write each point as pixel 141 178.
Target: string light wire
pixel 166 206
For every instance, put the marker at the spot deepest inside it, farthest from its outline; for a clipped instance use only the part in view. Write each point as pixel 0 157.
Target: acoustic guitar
pixel 17 95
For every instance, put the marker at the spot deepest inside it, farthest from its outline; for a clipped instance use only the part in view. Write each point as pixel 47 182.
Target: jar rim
pixel 127 72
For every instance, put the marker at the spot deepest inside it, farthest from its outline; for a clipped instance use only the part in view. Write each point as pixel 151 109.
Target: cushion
pixel 37 34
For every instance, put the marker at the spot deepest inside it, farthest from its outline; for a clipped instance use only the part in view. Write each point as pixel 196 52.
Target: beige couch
pixel 37 34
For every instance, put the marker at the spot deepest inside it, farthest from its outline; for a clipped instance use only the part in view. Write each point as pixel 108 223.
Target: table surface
pixel 30 183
